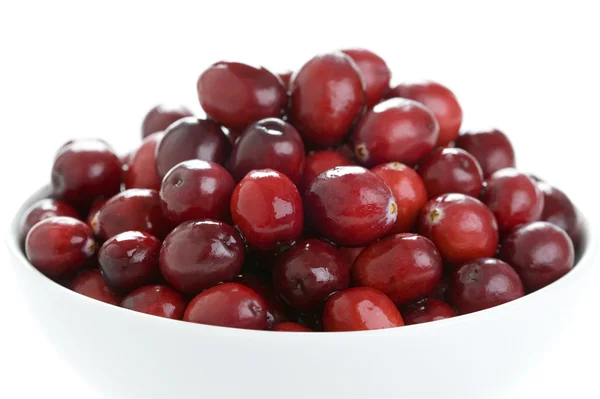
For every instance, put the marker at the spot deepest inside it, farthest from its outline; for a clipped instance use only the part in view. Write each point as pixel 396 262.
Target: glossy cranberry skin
pixel 350 206
pixel 540 252
pixel 491 148
pixel 160 117
pixel 276 312
pixel 141 172
pixel 267 209
pixel 440 100
pixel 350 254
pixel 374 71
pixel 44 209
pixel 426 311
pixel 320 161
pixel 513 197
pixel 237 94
pixel 461 227
pixel 59 246
pixel 405 267
pixel 135 209
pixel 289 326
pixel 268 144
pixel 156 300
pixel 92 285
pixel 360 308
pixel 484 283
pixel 196 189
pixel 408 190
pixel 84 170
pixel 99 203
pixel 327 97
pixel 560 211
pixel 191 138
pixel 228 305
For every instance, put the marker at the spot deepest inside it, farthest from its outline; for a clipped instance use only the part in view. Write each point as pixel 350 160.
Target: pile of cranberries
pixel 326 200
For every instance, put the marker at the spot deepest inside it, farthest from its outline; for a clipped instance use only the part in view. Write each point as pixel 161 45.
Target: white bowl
pixel 133 355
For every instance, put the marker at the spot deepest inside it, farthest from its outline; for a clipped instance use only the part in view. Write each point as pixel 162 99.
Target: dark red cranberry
pixel 559 210
pixel 327 96
pixel 156 300
pixel 267 208
pixel 285 77
pixel 350 206
pixel 60 246
pixel 43 209
pixel 99 203
pixel 540 252
pixel 360 308
pixel 191 138
pixel 160 117
pixel 396 130
pixel 441 289
pixel 491 148
pixel 273 306
pixel 350 254
pixel 484 283
pixel 196 189
pixel 513 198
pixel 268 144
pixel 92 285
pixel 461 227
pixel 237 94
pixel 85 170
pixel 289 326
pixel 426 311
pixel 232 135
pixel 440 100
pixel 374 71
pixel 408 190
pixel 405 267
pixel 320 161
pixel 228 305
pixel 141 172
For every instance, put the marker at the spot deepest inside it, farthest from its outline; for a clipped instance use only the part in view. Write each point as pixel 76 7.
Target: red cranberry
pixel 92 285
pixel 441 289
pixel 267 208
pixel 408 190
pixel 540 252
pixel 440 100
pixel 191 138
pixel 99 203
pixel 141 172
pixel 395 130
pixel 513 198
pixel 85 170
pixel 289 326
pixel 426 311
pixel 350 206
pixel 327 97
pixel 237 95
pixel 228 305
pixel 484 283
pixel 320 161
pixel 160 117
pixel 360 308
pixel 134 209
pixel 157 300
pixel 491 148
pixel 60 246
pixel 559 210
pixel 269 143
pixel 43 209
pixel 285 77
pixel 461 227
pixel 405 267
pixel 374 71
pixel 196 189
pixel 350 254
pixel 273 306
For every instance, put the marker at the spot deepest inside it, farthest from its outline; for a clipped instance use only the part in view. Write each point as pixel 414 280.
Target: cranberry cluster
pixel 326 200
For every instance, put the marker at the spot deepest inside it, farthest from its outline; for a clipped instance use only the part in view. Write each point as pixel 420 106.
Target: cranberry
pixel 409 193
pixel 327 97
pixel 285 78
pixel 513 198
pixel 160 117
pixel 461 227
pixel 374 71
pixel 237 95
pixel 60 246
pixel 405 267
pixel 289 326
pixel 269 143
pixel 273 306
pixel 92 285
pixel 491 148
pixel 96 205
pixel 141 172
pixel 84 170
pixel 134 209
pixel 43 209
pixel 559 210
pixel 440 100
pixel 426 311
pixel 350 206
pixel 228 305
pixel 196 189
pixel 360 308
pixel 267 208
pixel 395 130
pixel 350 254
pixel 484 283
pixel 311 320
pixel 157 300
pixel 441 289
pixel 320 161
pixel 191 138
pixel 540 252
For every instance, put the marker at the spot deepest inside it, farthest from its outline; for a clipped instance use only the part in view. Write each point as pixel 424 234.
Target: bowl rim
pixel 12 240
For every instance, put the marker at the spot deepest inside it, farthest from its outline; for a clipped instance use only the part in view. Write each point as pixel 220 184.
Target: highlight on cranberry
pixel 321 199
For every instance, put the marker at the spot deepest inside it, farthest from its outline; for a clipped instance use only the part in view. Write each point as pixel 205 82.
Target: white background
pixel 75 70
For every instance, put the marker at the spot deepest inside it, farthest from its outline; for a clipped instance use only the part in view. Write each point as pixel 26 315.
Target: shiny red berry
pixel 141 171
pixel 374 71
pixel 350 254
pixel 491 148
pixel 156 300
pixel 276 311
pixel 43 209
pixel 560 211
pixel 289 326
pixel 426 311
pixel 320 161
pixel 160 117
pixel 92 285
